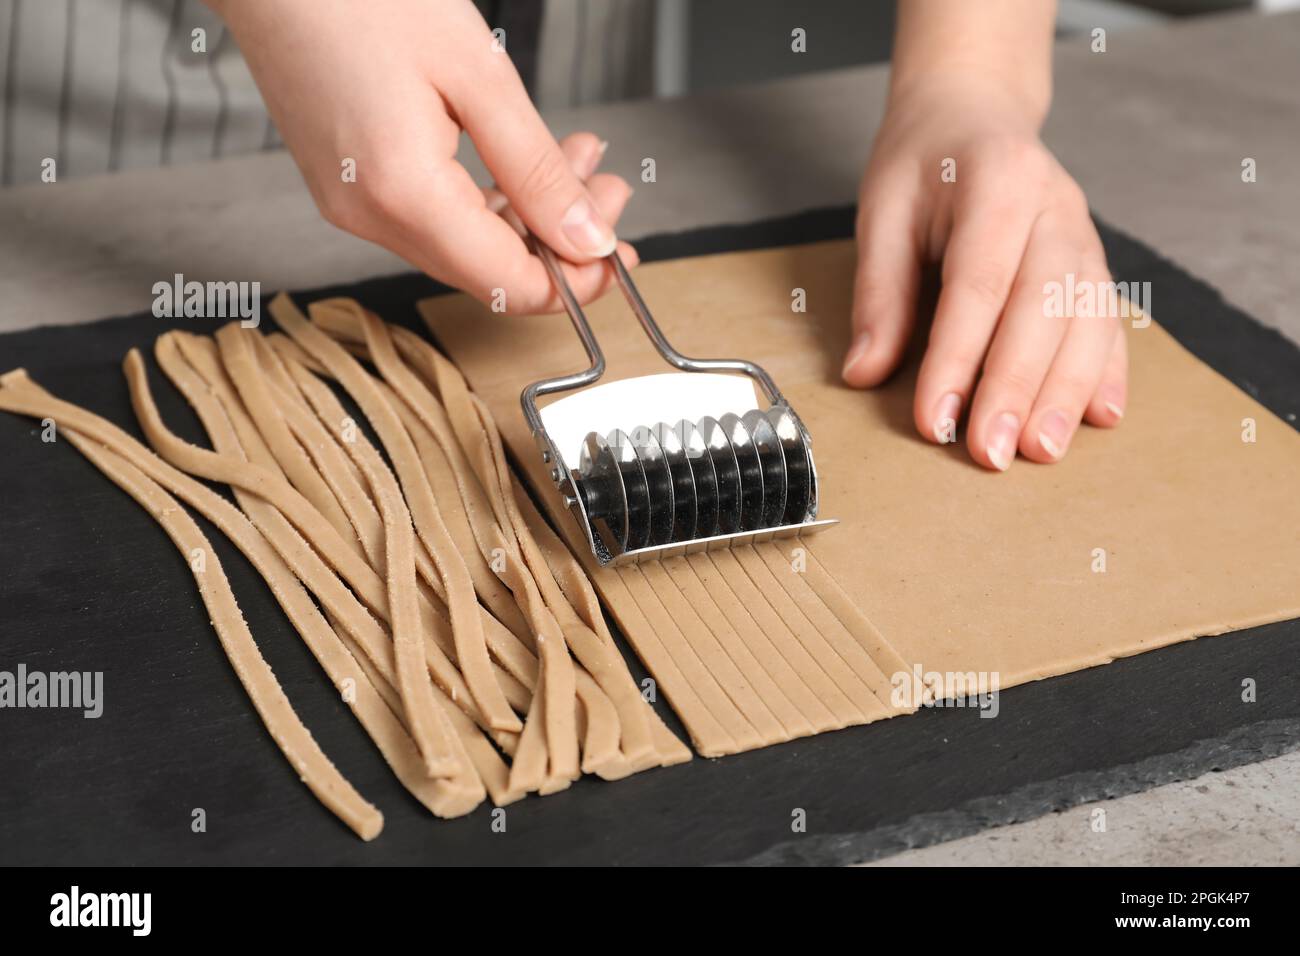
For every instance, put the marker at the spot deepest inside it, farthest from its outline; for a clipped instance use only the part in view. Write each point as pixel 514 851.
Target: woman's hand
pixel 959 175
pixel 386 87
pixel 1010 222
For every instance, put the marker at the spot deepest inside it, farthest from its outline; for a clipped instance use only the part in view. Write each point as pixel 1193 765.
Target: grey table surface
pixel 1155 130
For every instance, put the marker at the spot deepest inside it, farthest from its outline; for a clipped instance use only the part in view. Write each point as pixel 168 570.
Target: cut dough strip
pixel 807 684
pixel 746 644
pixel 475 429
pixel 444 798
pixel 561 730
pixel 18 394
pixel 516 658
pixel 450 482
pixel 322 518
pixel 854 620
pixel 244 370
pixel 715 724
pixel 864 702
pixel 245 441
pixel 827 623
pixel 598 655
pixel 429 728
pixel 467 629
pixel 751 722
pixel 513 574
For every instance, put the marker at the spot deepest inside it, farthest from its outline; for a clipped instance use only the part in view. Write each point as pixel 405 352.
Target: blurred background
pixel 102 85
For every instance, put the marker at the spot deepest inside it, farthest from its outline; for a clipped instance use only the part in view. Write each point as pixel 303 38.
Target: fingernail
pixel 1115 410
pixel 1111 398
pixel 604 145
pixel 946 413
pixel 1003 437
pixel 586 230
pixel 861 343
pixel 1054 434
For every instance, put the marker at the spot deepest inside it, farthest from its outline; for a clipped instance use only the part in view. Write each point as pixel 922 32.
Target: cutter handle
pixel 676 358
pixel 580 324
pixel 670 355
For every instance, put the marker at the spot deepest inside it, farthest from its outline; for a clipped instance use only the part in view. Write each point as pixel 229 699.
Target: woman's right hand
pixel 386 88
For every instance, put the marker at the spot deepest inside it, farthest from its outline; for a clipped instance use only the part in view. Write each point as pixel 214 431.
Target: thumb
pixel 533 172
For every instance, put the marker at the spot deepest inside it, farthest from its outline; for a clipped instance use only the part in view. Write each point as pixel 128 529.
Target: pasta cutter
pixel 653 489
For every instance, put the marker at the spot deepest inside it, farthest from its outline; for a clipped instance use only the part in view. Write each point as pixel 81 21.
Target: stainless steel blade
pixel 727 470
pixel 705 476
pixel 798 464
pixel 685 508
pixel 603 494
pixel 659 483
pixel 751 471
pixel 772 459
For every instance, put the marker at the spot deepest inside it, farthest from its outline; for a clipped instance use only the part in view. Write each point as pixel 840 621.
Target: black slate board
pixel 93 584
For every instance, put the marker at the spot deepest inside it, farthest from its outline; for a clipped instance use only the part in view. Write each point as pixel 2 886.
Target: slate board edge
pixel 1243 746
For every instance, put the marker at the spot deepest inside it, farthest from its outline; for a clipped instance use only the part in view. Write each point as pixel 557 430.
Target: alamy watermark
pixel 75 908
pixel 212 300
pixel 919 688
pixel 1084 299
pixel 77 690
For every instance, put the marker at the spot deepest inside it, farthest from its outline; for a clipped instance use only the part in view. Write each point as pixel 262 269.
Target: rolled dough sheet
pixel 956 569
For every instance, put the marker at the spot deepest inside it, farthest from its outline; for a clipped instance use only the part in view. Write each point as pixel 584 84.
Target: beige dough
pixel 93 437
pixel 429 727
pixel 747 646
pixel 339 601
pixel 326 516
pixel 641 740
pixel 1166 528
pixel 599 719
pixel 560 679
pixel 448 797
pixel 467 629
pixel 245 372
pixel 516 658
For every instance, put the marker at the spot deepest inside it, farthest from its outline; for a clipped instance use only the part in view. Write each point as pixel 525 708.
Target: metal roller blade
pixel 659 483
pixel 800 493
pixel 772 459
pixel 636 488
pixel 705 477
pixel 600 484
pixel 751 471
pixel 685 508
pixel 727 470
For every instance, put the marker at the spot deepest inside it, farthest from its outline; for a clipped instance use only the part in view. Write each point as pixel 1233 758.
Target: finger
pixel 1073 378
pixel 990 231
pixel 1022 350
pixel 583 150
pixel 590 280
pixel 1106 408
pixel 460 240
pixel 527 164
pixel 884 289
pixel 610 193
pixel 519 283
pixel 471 247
